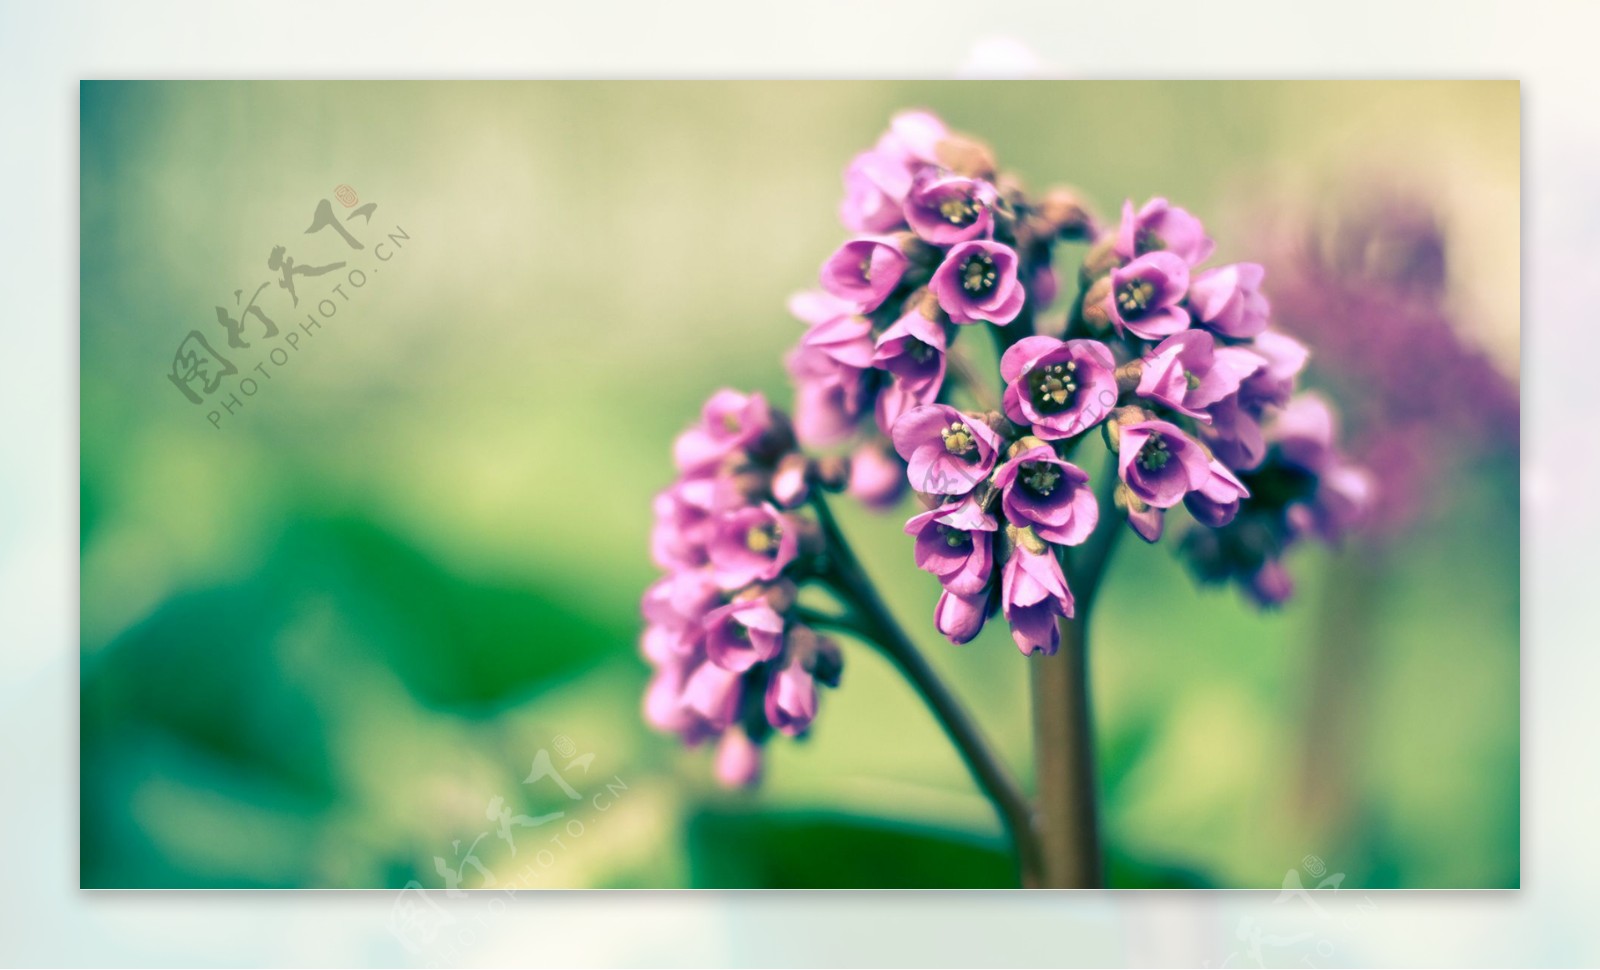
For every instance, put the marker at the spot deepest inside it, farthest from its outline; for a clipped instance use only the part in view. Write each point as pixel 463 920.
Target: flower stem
pixel 874 623
pixel 1069 824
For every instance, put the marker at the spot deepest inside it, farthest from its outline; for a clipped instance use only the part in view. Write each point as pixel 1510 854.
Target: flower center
pixel 953 537
pixel 1190 378
pixel 920 352
pixel 1154 455
pixel 1135 296
pixel 1145 241
pixel 738 630
pixel 959 210
pixel 730 423
pixel 958 439
pixel 978 275
pixel 1040 476
pixel 1054 387
pixel 866 270
pixel 763 537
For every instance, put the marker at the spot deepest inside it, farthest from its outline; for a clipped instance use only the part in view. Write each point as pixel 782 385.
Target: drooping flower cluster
pixel 1173 364
pixel 731 661
pixel 1173 359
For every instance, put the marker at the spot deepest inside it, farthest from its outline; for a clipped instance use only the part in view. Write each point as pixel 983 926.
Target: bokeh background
pixel 319 640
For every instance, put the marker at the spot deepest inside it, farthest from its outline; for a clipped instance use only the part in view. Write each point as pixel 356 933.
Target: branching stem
pixel 871 621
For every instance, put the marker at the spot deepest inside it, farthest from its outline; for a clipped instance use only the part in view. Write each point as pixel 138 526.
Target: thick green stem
pixel 1069 827
pixel 874 623
pixel 1068 806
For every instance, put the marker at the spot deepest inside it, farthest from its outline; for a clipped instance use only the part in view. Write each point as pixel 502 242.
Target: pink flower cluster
pixel 925 262
pixel 1175 363
pixel 731 662
pixel 1175 360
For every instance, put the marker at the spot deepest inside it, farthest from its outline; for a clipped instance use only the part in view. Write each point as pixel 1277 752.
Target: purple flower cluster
pixel 926 261
pixel 1174 358
pixel 731 662
pixel 1173 361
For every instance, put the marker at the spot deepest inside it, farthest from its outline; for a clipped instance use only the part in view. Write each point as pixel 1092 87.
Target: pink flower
pixel 1235 434
pixel 752 544
pixel 738 759
pixel 665 708
pixel 1271 585
pixel 1041 490
pixel 1146 296
pixel 875 185
pixel 1188 372
pixel 913 137
pixel 743 634
pixel 1061 388
pixel 1034 595
pixel 730 421
pixel 712 694
pixel 1161 227
pixel 1148 522
pixel 1228 300
pixel 843 337
pixel 978 281
pixel 1159 463
pixel 791 698
pixel 912 351
pixel 828 397
pixel 864 271
pixel 1273 384
pixel 954 544
pixel 960 618
pixel 1216 502
pixel 877 476
pixel 949 209
pixel 946 452
pixel 683 523
pixel 878 180
pixel 679 600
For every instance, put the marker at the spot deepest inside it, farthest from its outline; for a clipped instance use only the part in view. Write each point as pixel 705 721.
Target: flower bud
pixel 1127 414
pixel 1128 375
pixel 778 439
pixel 1271 585
pixel 877 477
pixel 966 156
pixel 1094 313
pixel 1024 537
pixel 1000 424
pixel 1063 210
pixel 925 302
pixel 780 595
pixel 750 483
pixel 1024 443
pixel 817 654
pixel 1124 499
pixel 1147 522
pixel 832 472
pixel 1101 259
pixel 830 664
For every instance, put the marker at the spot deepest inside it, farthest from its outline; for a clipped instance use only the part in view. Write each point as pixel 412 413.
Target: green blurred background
pixel 318 640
